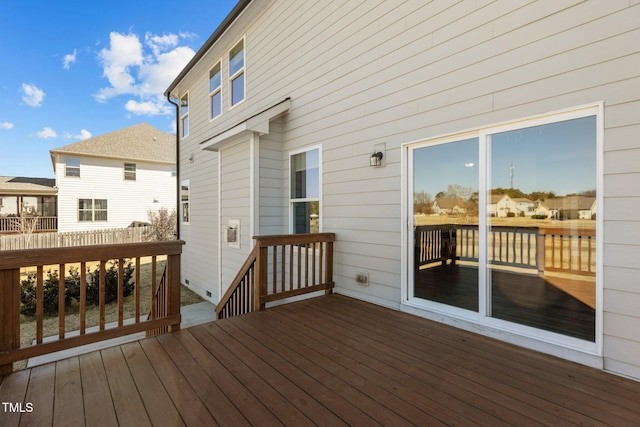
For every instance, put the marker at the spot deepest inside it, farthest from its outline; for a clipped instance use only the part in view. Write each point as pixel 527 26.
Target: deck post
pixel 262 271
pixel 540 251
pixel 329 270
pixel 172 288
pixel 9 314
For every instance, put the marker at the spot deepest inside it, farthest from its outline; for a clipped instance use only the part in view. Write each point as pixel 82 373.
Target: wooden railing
pixel 545 249
pixel 72 332
pixel 12 224
pixel 159 304
pixel 279 267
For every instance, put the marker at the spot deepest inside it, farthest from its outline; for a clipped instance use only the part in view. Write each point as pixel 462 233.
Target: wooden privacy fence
pixel 72 238
pixel 545 249
pixel 39 260
pixel 278 267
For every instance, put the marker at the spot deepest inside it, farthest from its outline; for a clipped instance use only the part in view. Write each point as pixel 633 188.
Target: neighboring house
pixel 572 207
pixel 114 180
pixel 524 207
pixel 27 197
pixel 501 205
pixel 449 206
pixel 282 113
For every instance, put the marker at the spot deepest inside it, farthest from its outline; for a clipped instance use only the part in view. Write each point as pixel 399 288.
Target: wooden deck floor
pixel 330 361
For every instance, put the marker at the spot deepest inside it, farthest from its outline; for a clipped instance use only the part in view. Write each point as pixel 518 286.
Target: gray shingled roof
pixel 26 186
pixel 141 142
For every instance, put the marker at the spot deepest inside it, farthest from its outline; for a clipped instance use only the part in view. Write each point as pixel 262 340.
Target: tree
pixel 163 225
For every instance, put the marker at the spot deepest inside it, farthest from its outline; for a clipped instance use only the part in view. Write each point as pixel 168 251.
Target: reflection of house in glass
pixel 442 206
pixel 572 207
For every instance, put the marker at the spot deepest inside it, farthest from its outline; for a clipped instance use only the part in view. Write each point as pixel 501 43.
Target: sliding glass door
pixel 504 224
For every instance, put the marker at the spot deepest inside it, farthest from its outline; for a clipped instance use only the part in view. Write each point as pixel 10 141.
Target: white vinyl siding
pixel 128 201
pixel 363 73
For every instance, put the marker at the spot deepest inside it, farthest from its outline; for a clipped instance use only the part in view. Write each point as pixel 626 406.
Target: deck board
pixel 331 360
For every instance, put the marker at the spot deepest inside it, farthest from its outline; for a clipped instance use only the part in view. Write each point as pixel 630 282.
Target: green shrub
pixel 50 294
pixel 72 288
pixel 111 283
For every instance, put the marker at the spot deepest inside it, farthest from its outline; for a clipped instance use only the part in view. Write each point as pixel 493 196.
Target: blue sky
pixel 75 69
pixel 558 157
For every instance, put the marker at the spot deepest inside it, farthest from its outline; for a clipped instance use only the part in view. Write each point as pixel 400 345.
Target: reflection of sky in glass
pixel 305 168
pixel 438 166
pixel 558 157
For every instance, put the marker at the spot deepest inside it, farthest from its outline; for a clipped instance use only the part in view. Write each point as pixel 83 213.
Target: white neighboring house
pixel 113 180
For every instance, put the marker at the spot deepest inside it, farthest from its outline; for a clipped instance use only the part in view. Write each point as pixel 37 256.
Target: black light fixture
pixel 376 159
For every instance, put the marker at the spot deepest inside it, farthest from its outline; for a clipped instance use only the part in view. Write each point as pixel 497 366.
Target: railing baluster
pixel 102 298
pixel 39 302
pixel 83 297
pixel 61 294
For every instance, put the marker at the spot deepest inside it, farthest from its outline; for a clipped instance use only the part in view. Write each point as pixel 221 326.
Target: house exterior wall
pixel 127 201
pixel 362 73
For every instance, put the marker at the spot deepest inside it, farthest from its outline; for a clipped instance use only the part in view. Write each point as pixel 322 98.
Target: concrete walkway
pixel 192 315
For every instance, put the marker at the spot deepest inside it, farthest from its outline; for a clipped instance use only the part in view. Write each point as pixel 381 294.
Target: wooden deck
pixel 331 360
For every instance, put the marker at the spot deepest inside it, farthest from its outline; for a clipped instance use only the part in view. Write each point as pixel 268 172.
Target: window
pixel 184 115
pixel 504 222
pixel 72 167
pixel 236 73
pixel 184 200
pixel 130 171
pixel 305 191
pixel 92 210
pixel 215 91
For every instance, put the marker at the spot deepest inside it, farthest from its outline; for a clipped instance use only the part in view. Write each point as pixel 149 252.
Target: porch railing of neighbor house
pixel 545 249
pixel 279 267
pixel 14 265
pixel 14 224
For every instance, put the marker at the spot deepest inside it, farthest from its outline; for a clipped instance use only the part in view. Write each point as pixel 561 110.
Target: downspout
pixel 178 186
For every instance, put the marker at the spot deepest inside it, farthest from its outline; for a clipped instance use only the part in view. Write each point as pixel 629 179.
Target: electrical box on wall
pixel 232 233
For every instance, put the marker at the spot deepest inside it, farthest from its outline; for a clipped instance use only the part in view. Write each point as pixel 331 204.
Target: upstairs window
pixel 215 91
pixel 130 171
pixel 236 73
pixel 72 167
pixel 184 115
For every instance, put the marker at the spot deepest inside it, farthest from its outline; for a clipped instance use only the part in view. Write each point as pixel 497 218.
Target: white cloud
pixel 84 134
pixel 32 95
pixel 124 52
pixel 69 59
pixel 143 71
pixel 6 125
pixel 147 108
pixel 46 133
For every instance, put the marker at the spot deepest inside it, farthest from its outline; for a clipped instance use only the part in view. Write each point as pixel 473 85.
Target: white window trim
pixel 214 92
pixel 93 210
pixel 589 353
pixel 183 116
pixel 73 167
pixel 242 70
pixel 312 199
pixel 134 172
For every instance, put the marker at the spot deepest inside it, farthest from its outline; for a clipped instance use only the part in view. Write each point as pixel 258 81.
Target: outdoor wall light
pixel 376 159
